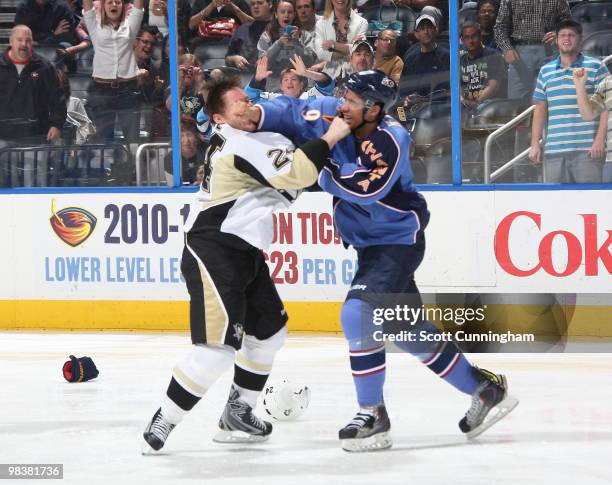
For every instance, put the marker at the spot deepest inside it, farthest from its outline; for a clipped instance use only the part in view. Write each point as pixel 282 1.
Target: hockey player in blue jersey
pixel 378 211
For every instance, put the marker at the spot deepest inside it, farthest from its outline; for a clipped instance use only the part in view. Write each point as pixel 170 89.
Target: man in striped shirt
pixel 574 147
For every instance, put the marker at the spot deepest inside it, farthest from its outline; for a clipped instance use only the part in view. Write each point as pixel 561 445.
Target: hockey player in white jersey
pixel 236 314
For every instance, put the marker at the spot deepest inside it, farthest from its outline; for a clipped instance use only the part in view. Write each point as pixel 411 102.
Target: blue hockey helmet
pixel 374 87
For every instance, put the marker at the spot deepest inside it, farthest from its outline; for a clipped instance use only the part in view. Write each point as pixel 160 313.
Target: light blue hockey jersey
pixel 375 200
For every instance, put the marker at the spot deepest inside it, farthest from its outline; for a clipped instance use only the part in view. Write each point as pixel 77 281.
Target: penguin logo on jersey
pixel 238 331
pixel 72 225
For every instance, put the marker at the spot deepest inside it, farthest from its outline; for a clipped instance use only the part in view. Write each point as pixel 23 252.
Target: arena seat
pixel 598 44
pixel 438 158
pixel 399 19
pixel 497 112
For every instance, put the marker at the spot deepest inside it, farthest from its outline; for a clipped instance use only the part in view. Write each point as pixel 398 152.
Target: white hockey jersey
pixel 249 176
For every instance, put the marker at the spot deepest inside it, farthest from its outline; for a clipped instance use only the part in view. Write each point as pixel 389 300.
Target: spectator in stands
pixel 193 155
pixel 82 35
pixel 242 50
pixel 362 59
pixel 524 31
pixel 217 9
pixel 426 65
pixel 335 33
pixel 482 68
pixel 307 16
pixel 574 147
pixel 386 58
pixel 158 15
pixel 115 71
pixel 149 79
pixel 486 17
pixel 150 83
pixel 293 82
pixel 282 40
pixel 191 80
pixel 591 108
pixel 51 21
pixel 32 101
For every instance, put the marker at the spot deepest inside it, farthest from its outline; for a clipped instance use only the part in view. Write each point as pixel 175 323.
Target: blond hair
pixel 329 8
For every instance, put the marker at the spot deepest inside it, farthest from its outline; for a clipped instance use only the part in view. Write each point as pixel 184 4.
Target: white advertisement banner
pixel 76 246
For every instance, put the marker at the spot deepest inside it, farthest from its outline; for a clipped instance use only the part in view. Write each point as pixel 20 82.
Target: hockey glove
pixel 79 369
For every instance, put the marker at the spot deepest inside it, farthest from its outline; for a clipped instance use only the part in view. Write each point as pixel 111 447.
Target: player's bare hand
pixel 338 130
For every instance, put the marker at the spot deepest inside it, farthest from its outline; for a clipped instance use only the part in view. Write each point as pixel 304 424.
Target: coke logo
pixel 582 248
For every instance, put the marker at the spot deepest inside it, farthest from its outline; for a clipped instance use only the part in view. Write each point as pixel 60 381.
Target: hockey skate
pixel 367 431
pixel 490 403
pixel 156 433
pixel 238 424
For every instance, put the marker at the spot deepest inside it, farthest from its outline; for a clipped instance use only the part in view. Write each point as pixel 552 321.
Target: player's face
pixel 237 103
pixel 471 38
pixel 21 44
pixel 352 109
pixel 568 41
pixel 291 85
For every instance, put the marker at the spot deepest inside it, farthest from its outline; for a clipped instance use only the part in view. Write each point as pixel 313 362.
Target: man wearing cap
pixel 362 59
pixel 426 64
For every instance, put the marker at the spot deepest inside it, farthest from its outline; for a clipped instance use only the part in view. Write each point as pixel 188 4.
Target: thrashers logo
pixel 72 225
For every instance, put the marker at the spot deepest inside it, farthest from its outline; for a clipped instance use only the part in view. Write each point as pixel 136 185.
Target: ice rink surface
pixel 561 433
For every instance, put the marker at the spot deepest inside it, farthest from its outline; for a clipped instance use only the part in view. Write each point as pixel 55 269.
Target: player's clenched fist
pixel 338 130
